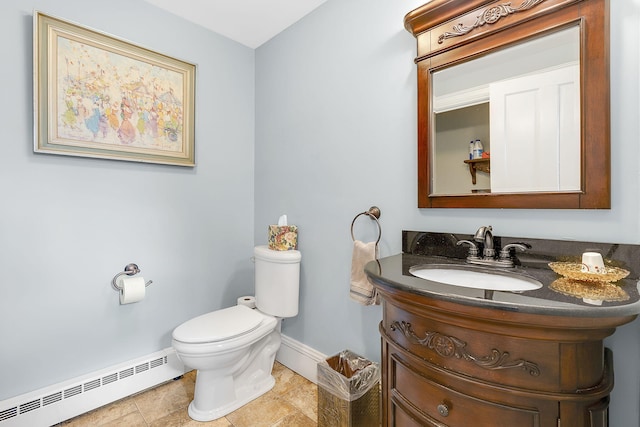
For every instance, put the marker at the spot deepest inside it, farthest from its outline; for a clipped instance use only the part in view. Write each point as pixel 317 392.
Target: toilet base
pixel 219 393
pixel 242 399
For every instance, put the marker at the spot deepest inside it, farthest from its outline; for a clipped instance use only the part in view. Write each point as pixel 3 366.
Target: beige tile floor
pixel 291 403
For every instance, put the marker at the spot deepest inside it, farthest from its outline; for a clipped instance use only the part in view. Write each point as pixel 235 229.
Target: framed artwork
pixel 99 96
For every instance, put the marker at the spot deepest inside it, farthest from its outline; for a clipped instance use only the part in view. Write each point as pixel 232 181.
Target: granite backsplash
pixel 540 252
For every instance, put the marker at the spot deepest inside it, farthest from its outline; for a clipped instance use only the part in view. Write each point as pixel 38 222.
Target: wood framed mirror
pixel 530 79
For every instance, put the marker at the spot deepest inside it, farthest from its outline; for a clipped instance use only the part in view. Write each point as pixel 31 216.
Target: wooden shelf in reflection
pixel 482 165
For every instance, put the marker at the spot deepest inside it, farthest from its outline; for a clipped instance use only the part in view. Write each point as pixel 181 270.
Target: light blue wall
pixel 336 133
pixel 69 224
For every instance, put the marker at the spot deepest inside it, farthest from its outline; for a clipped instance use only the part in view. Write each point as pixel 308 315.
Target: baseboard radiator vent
pixel 57 403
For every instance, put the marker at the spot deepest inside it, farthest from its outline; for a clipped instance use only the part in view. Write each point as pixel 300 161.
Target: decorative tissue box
pixel 283 237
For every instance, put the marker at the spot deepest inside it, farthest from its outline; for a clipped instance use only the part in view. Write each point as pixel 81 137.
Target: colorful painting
pixel 98 96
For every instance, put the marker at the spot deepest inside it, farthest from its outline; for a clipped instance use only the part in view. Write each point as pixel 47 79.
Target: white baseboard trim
pixel 59 402
pixel 300 358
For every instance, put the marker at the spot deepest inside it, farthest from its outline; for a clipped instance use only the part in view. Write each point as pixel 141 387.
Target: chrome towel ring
pixel 374 214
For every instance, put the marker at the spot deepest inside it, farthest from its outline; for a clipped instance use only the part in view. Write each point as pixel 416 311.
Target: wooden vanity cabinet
pixel 455 365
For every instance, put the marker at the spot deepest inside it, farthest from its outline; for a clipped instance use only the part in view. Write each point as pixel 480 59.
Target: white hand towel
pixel 362 290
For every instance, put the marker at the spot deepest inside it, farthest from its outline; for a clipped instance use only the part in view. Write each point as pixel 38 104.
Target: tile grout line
pixel 140 412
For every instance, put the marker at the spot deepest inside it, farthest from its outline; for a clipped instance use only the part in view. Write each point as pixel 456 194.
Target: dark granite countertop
pixel 394 272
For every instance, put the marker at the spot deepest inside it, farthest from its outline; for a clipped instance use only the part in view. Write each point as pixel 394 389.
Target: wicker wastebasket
pixel 348 391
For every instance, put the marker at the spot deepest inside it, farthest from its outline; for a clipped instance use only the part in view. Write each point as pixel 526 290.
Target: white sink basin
pixel 471 277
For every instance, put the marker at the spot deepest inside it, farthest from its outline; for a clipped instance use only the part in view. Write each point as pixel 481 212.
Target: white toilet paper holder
pixel 129 270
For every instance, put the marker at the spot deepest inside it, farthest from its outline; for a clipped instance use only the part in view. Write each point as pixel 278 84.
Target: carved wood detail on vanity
pixel 449 346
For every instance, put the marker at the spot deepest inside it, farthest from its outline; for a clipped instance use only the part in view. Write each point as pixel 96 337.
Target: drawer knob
pixel 443 410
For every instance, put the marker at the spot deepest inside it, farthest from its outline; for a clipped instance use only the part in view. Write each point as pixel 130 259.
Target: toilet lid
pixel 219 325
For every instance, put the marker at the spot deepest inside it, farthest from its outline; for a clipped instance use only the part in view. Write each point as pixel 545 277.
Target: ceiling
pixel 250 22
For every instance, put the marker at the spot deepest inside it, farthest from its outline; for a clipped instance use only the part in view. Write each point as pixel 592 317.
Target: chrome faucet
pixel 484 235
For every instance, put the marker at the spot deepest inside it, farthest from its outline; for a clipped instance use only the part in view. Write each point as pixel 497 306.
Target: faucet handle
pixel 473 248
pixel 505 252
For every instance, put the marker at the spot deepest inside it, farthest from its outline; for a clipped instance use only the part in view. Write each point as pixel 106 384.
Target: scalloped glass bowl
pixel 573 270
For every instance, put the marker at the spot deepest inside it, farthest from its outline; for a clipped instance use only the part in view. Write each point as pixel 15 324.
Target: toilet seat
pixel 220 325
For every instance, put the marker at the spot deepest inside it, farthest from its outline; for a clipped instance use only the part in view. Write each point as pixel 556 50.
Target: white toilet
pixel 234 348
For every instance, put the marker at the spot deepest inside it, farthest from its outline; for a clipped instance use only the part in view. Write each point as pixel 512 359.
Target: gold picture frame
pixel 99 96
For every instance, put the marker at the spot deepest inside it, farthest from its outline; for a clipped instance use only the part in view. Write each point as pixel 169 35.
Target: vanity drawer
pixel 418 397
pixel 503 359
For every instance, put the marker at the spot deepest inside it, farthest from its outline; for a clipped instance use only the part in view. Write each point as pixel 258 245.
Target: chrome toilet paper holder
pixel 129 270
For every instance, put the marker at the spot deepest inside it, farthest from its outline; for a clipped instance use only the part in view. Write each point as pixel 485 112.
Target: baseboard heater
pixel 57 403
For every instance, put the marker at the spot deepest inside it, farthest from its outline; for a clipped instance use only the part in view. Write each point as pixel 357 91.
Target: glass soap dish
pixel 573 270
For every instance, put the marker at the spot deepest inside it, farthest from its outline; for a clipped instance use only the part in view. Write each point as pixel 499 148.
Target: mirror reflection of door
pixel 535 132
pixel 523 103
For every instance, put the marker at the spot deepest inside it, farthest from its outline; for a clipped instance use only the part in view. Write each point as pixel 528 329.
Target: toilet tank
pixel 277 281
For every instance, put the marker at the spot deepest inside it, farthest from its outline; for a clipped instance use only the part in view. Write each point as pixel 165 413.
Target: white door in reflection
pixel 530 117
